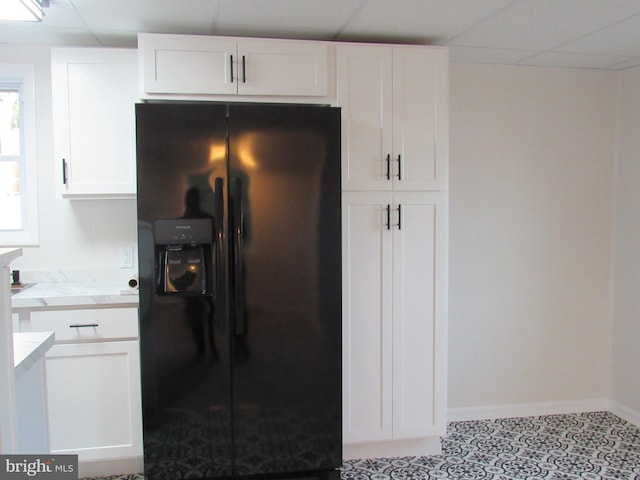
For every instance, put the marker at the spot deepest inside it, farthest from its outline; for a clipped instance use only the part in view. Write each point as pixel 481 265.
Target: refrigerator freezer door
pixel 184 357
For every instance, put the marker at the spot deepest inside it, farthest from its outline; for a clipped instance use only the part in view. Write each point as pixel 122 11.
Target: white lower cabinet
pixel 93 386
pixel 394 311
pixel 93 400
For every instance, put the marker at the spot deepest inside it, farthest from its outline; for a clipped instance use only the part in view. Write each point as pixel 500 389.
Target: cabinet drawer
pixel 87 324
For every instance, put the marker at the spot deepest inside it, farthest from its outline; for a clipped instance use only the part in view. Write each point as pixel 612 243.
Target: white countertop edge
pixel 9 254
pixel 93 301
pixel 29 347
pixel 74 294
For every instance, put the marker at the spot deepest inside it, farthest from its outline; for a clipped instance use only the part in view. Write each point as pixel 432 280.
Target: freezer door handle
pixel 239 314
pixel 219 282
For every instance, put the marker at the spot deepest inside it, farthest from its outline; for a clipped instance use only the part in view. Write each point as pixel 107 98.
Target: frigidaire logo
pixel 52 467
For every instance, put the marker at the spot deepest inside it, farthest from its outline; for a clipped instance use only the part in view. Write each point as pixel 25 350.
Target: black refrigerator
pixel 240 290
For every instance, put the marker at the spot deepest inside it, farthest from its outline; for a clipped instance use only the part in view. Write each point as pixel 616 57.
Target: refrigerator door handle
pixel 219 270
pixel 240 323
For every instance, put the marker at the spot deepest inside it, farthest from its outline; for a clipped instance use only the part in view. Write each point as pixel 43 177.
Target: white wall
pixel 626 298
pixel 74 235
pixel 530 249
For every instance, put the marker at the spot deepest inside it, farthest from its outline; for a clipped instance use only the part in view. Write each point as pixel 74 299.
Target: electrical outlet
pixel 126 256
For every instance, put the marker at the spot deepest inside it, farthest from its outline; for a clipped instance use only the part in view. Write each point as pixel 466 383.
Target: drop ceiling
pixel 601 34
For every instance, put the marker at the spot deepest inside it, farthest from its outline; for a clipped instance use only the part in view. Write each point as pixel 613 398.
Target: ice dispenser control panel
pixel 183 256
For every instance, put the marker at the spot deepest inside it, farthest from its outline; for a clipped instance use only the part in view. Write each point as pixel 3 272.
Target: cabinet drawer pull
pixel 231 66
pixel 399 167
pixel 84 325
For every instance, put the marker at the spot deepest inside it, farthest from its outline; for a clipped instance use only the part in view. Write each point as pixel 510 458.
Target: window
pixel 18 189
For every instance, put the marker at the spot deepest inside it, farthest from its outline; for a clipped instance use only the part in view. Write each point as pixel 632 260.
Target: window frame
pixel 22 77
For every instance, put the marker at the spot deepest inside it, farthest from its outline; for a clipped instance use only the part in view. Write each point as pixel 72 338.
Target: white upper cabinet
pixel 207 65
pixel 394 117
pixel 94 93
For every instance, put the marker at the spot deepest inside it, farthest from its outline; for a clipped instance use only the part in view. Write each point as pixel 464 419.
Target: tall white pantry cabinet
pixel 395 121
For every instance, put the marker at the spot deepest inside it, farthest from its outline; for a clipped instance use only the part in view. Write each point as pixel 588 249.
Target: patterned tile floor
pixel 588 446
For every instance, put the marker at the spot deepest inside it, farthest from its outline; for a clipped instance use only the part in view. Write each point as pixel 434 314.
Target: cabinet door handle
pixel 388 217
pixel 84 325
pixel 64 172
pixel 388 166
pixel 399 167
pixel 244 71
pixel 399 217
pixel 231 66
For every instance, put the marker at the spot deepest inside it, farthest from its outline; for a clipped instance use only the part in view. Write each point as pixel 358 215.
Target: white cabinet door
pixel 282 68
pixel 367 321
pixel 394 117
pixel 420 118
pixel 206 65
pixel 363 92
pixel 94 400
pixel 394 310
pixel 419 312
pixel 94 93
pixel 186 64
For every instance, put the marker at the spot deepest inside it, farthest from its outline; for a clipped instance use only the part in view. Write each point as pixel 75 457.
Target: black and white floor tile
pixel 588 446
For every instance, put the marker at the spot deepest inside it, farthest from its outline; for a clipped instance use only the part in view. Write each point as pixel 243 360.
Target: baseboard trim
pixel 527 409
pixel 396 448
pixel 626 413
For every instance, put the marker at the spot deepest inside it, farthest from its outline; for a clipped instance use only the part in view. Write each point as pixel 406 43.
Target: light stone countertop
pixel 28 348
pixel 96 294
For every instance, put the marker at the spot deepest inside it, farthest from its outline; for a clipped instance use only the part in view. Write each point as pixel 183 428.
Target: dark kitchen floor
pixel 588 446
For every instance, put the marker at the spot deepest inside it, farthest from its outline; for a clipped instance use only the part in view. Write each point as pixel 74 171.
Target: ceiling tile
pixel 419 21
pixel 623 38
pixel 545 24
pixel 284 18
pixel 147 15
pixel 61 14
pixel 61 25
